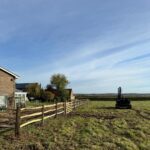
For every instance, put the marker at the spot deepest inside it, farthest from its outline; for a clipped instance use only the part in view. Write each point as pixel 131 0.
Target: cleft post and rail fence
pixel 21 117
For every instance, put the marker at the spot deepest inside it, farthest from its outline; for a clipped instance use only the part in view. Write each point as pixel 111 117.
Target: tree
pixel 34 90
pixel 59 82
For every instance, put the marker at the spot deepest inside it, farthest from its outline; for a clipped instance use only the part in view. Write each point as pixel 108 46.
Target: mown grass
pixel 95 126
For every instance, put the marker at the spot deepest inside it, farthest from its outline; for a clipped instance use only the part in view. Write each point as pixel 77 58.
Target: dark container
pixel 122 102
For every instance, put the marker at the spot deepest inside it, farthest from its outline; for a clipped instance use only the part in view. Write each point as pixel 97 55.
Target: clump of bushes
pixel 36 92
pixel 55 91
pixel 47 96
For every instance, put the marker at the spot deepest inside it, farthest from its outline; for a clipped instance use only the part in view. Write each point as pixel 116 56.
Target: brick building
pixel 7 88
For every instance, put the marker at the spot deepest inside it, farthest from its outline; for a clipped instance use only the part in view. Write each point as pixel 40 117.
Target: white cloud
pixel 105 39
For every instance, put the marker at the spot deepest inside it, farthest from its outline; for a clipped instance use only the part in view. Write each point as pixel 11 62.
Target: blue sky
pixel 98 44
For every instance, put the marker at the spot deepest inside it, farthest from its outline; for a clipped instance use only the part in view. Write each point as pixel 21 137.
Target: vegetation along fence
pixel 21 117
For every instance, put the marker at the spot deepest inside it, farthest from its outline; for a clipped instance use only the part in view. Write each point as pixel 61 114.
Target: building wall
pixel 7 87
pixel 72 97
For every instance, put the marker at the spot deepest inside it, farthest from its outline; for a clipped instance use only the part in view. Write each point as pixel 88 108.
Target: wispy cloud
pixel 134 59
pixel 99 45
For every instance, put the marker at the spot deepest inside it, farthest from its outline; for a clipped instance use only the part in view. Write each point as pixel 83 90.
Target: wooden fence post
pixel 42 123
pixel 65 108
pixel 74 104
pixel 56 109
pixel 17 124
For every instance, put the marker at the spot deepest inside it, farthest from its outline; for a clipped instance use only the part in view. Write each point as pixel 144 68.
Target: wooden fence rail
pixel 22 117
pixel 7 120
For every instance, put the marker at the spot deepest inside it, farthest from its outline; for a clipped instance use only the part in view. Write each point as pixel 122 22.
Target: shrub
pixel 47 96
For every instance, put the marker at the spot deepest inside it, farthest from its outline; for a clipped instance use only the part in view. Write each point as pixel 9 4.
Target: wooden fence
pixel 7 119
pixel 21 117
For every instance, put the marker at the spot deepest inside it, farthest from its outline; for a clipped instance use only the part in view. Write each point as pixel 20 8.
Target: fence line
pixel 26 116
pixel 7 120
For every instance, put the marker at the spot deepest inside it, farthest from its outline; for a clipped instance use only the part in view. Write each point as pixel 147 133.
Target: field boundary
pixel 22 117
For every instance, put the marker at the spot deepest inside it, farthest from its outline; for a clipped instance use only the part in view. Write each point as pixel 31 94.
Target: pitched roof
pixel 23 85
pixel 9 72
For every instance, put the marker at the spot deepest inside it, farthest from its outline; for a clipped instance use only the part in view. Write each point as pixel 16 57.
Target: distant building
pixel 21 97
pixel 7 88
pixel 23 86
pixel 71 94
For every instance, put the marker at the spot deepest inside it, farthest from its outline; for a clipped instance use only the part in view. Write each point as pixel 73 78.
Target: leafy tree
pixel 34 90
pixel 59 82
pixel 64 94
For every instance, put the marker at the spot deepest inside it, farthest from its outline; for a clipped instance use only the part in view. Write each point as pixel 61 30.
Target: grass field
pixel 94 126
pixel 37 103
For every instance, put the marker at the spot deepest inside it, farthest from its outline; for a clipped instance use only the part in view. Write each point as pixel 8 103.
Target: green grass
pixel 95 126
pixel 37 103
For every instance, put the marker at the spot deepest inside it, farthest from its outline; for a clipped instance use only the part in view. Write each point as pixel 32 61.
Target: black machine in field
pixel 122 102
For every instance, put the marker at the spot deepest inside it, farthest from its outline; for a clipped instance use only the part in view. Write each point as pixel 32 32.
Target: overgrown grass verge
pixel 95 126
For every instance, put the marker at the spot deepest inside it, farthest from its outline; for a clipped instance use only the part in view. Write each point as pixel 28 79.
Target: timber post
pixel 17 124
pixel 65 108
pixel 42 123
pixel 74 104
pixel 56 109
